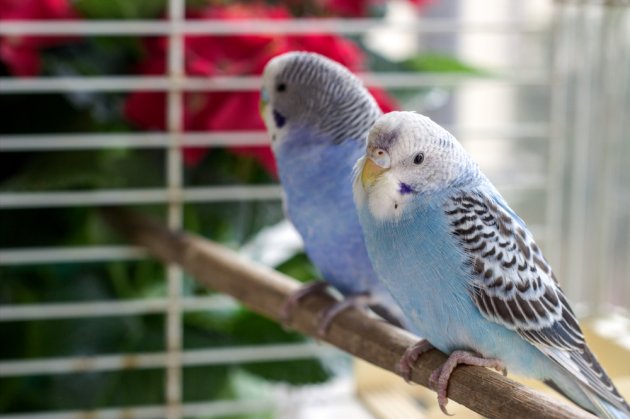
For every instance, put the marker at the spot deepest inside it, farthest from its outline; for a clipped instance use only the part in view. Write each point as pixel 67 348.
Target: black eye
pixel 419 158
pixel 281 87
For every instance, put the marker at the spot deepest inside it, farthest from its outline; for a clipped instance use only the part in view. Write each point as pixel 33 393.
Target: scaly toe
pixel 294 300
pixel 410 358
pixel 406 363
pixel 404 369
pixel 434 378
pixel 323 325
pixel 326 317
pixel 442 402
pixel 286 313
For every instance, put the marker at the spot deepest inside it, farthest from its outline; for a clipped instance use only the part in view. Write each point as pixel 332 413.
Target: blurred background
pixel 154 104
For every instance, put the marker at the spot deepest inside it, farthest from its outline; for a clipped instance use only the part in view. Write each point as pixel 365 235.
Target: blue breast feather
pixel 317 178
pixel 422 265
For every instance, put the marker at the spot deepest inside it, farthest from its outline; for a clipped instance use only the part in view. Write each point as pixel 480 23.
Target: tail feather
pixel 605 409
pixel 610 402
pixel 584 381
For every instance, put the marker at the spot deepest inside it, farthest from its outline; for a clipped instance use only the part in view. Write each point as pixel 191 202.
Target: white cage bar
pixel 261 26
pixel 56 142
pixel 232 355
pixel 391 80
pixel 22 312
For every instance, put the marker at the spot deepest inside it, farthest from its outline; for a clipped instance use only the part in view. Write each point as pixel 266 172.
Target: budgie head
pixel 303 90
pixel 408 155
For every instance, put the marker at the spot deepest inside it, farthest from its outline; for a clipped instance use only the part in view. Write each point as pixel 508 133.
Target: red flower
pixel 357 8
pixel 350 8
pixel 21 53
pixel 231 55
pixel 419 3
pixel 384 101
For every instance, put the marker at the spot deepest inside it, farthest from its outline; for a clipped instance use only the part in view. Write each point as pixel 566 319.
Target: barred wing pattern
pixel 512 284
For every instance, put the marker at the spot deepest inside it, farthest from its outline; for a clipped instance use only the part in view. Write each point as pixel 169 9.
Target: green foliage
pixel 243 327
pixel 120 9
pixel 300 268
pixel 103 55
pixel 74 170
pixel 256 330
pixel 439 63
pixel 128 9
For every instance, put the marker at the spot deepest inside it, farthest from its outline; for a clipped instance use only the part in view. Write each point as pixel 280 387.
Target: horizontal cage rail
pixel 231 355
pixel 34 256
pixel 393 80
pixel 212 409
pixel 87 141
pixel 51 311
pixel 139 196
pixel 14 200
pixel 258 26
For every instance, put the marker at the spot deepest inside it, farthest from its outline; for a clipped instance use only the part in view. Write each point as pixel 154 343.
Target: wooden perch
pixel 264 291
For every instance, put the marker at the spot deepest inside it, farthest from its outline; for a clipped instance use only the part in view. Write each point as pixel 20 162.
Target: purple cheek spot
pixel 405 189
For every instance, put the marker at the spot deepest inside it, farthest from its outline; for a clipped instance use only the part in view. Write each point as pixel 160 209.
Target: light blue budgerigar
pixel 318 115
pixel 464 267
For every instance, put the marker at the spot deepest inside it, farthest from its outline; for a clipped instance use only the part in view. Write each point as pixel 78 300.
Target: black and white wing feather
pixel 512 284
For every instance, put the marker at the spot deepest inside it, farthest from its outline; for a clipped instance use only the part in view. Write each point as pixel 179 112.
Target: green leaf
pixel 203 383
pixel 439 63
pixel 72 170
pixel 89 169
pixel 243 386
pixel 121 9
pixel 300 372
pixel 299 267
pixel 107 55
pixel 242 327
pixel 250 328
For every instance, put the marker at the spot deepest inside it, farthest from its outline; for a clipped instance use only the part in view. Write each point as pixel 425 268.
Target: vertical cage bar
pixel 578 189
pixel 611 96
pixel 558 137
pixel 175 208
pixel 603 98
pixel 588 217
pixel 619 220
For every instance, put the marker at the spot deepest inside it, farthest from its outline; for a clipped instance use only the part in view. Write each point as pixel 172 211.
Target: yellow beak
pixel 371 171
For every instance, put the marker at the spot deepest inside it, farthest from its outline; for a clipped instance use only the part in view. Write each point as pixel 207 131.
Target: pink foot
pixel 440 377
pixel 315 287
pixel 359 301
pixel 410 357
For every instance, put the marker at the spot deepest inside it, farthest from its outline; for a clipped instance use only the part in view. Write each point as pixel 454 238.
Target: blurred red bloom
pixel 350 8
pixel 357 8
pixel 21 53
pixel 419 3
pixel 384 100
pixel 231 55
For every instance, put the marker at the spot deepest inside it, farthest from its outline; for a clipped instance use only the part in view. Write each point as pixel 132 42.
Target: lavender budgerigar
pixel 318 115
pixel 464 267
